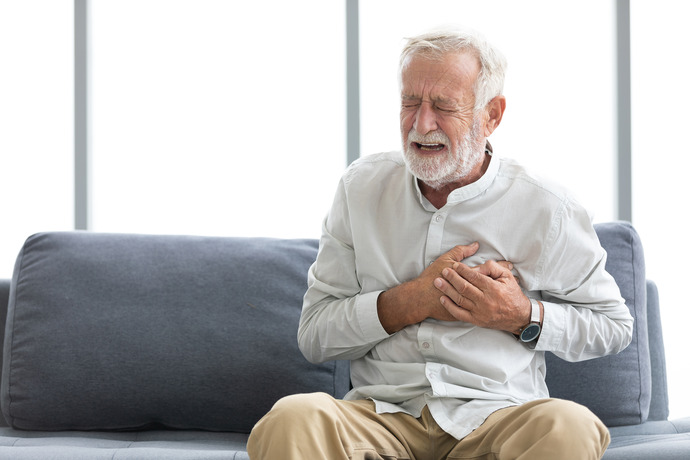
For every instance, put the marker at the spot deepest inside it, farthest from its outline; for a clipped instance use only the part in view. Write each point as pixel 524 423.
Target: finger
pixel 478 281
pixel 456 311
pixel 509 267
pixel 461 252
pixel 505 264
pixel 495 270
pixel 458 289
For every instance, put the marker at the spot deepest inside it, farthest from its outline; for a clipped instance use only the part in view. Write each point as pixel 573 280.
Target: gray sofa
pixel 121 346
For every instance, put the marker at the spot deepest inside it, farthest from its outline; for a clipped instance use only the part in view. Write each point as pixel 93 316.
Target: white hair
pixel 438 43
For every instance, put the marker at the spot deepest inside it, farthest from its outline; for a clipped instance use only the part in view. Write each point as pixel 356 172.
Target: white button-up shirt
pixel 381 232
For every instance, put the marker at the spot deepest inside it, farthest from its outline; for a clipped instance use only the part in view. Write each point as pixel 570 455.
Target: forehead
pixel 448 76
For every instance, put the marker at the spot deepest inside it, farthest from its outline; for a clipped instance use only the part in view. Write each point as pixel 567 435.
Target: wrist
pixel 525 315
pixel 395 310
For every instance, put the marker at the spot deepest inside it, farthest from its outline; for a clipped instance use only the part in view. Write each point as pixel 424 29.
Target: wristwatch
pixel 533 329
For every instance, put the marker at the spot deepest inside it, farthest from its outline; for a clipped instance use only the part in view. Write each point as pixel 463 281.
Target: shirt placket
pixel 425 332
pixel 434 236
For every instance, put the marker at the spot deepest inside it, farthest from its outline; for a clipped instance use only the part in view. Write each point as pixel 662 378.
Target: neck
pixel 438 196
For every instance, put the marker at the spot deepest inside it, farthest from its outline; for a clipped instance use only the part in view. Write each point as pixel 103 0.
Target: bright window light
pixel 560 87
pixel 660 163
pixel 36 121
pixel 216 117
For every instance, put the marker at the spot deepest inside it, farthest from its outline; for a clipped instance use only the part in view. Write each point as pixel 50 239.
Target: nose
pixel 425 120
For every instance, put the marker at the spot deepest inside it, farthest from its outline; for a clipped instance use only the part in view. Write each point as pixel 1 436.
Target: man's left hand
pixel 487 295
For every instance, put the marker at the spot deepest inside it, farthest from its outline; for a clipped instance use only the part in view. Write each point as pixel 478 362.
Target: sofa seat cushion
pixel 84 445
pixel 648 447
pixel 681 425
pixel 121 332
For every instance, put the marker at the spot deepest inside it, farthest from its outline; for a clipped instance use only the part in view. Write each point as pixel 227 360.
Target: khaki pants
pixel 316 426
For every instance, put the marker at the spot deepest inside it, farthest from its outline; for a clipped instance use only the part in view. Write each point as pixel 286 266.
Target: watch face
pixel 530 332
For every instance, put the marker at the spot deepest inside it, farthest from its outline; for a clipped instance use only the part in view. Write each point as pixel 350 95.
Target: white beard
pixel 436 170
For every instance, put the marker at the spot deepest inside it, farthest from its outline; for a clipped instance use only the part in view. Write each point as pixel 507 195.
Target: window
pixel 560 119
pixel 660 165
pixel 217 117
pixel 36 121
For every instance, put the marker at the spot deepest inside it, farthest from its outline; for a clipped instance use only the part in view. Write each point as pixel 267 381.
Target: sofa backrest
pixel 627 388
pixel 115 331
pixel 618 388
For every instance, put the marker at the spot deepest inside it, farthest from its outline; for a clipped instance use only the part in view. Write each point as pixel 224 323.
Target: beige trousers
pixel 316 426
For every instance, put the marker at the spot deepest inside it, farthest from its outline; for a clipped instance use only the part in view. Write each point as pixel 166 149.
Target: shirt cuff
pixel 553 327
pixel 368 317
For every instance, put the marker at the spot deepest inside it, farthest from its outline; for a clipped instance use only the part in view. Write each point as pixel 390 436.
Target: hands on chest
pixel 487 295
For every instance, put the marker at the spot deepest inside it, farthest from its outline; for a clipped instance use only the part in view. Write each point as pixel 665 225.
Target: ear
pixel 494 114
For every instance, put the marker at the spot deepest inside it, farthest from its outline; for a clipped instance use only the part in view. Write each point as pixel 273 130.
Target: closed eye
pixel 446 108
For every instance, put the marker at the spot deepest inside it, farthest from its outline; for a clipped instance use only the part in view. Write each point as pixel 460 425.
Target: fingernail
pixel 438 282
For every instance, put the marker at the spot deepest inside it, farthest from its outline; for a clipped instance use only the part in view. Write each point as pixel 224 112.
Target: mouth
pixel 429 147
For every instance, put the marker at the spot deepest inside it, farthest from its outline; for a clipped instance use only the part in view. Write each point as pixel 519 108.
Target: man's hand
pixel 488 296
pixel 416 300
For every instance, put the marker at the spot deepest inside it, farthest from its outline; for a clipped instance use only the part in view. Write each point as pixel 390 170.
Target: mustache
pixel 433 137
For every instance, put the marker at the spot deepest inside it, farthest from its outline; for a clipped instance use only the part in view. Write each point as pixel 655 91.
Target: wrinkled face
pixel 442 140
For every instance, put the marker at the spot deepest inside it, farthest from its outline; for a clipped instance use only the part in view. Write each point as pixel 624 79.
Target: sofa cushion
pixel 117 332
pixel 648 447
pixel 616 388
pixel 130 445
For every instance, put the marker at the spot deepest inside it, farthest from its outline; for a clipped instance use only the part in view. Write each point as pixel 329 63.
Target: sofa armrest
pixel 658 407
pixel 4 299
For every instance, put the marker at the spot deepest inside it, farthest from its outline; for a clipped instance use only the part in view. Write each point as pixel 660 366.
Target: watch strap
pixel 536 312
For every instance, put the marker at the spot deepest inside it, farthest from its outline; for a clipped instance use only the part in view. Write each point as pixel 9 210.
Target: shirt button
pixel 439 218
pixel 426 345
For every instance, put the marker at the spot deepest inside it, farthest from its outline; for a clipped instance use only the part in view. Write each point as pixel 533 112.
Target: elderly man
pixel 416 282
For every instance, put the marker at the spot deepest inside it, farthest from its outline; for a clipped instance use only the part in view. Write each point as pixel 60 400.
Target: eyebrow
pixel 436 100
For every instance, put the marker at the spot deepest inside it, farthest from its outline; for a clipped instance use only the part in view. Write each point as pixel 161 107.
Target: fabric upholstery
pixel 122 331
pixel 100 287
pixel 160 445
pixel 649 447
pixel 617 388
pixel 4 298
pixel 658 407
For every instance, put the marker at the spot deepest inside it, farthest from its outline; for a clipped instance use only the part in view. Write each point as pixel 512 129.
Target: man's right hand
pixel 418 299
